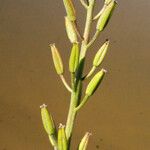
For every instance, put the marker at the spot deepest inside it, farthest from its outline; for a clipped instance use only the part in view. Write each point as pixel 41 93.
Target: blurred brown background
pixel 118 115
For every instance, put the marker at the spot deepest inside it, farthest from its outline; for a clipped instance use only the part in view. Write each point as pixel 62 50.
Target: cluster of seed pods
pixel 60 139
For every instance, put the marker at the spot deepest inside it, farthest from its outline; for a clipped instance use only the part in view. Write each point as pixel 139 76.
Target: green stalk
pixel 91 72
pixel 53 140
pixel 75 96
pixel 76 68
pixel 71 115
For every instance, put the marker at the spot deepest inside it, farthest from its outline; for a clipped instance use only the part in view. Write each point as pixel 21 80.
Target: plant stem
pixel 77 30
pixel 53 141
pixel 65 83
pixel 87 29
pixel 94 38
pixel 91 72
pixel 82 103
pixel 88 20
pixel 72 81
pixel 71 116
pixel 84 4
pixel 75 96
pixel 100 13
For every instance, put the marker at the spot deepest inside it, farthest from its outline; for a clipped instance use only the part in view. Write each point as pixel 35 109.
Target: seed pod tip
pixel 104 70
pixel 43 106
pixel 61 126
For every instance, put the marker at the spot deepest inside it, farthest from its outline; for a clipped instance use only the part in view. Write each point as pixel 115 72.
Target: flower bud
pixel 84 142
pixel 47 120
pixel 105 16
pixel 99 57
pixel 70 10
pixel 56 59
pixel 74 58
pixel 62 140
pixel 95 82
pixel 71 31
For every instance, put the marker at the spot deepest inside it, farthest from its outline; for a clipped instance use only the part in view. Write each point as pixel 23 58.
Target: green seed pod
pixel 95 82
pixel 71 31
pixel 62 140
pixel 60 146
pixel 74 58
pixel 84 142
pixel 99 57
pixel 70 10
pixel 56 59
pixel 106 15
pixel 47 120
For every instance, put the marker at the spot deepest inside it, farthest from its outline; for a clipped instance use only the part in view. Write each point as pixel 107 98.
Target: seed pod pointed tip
pixel 116 2
pixel 61 126
pixel 107 40
pixel 107 2
pixel 88 134
pixel 105 71
pixel 51 45
pixel 84 142
pixel 43 106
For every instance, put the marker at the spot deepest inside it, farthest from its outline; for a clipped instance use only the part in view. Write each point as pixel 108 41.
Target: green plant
pixel 61 140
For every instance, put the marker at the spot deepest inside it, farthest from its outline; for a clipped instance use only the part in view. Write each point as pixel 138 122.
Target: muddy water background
pixel 118 115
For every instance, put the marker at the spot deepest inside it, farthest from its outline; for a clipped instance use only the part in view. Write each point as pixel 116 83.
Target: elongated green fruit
pixel 70 10
pixel 84 142
pixel 62 140
pixel 106 15
pixel 71 31
pixel 99 57
pixel 60 147
pixel 95 82
pixel 57 59
pixel 47 120
pixel 74 58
